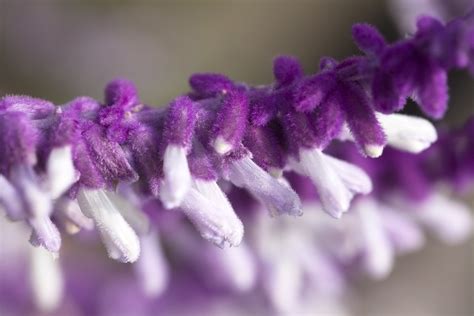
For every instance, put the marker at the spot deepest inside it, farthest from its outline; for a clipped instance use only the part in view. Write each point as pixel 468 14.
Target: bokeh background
pixel 61 49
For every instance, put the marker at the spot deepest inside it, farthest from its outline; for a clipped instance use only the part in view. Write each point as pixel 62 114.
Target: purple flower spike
pixel 327 121
pixel 177 135
pixel 368 39
pixel 362 121
pixel 143 145
pixel 327 63
pixel 286 70
pixel 433 92
pixel 180 122
pixel 266 150
pixel 34 108
pixel 231 122
pixel 107 156
pixel 122 93
pixel 311 91
pixel 386 98
pixel 263 106
pixel 210 84
pixel 18 140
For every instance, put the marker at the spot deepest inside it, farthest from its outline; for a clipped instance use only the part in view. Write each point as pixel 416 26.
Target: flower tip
pixel 373 150
pixel 221 146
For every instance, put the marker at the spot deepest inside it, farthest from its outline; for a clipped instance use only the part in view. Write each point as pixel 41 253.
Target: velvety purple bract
pixel 286 70
pixel 210 84
pixel 180 122
pixel 368 39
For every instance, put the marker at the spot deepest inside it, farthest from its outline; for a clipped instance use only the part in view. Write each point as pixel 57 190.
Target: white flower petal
pixel 120 239
pixel 275 194
pixel 408 133
pixel 60 171
pixel 177 177
pixel 211 221
pixel 335 196
pixel 353 177
pixel 212 191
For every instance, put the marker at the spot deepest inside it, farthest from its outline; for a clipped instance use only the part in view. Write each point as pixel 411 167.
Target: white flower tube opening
pixel 120 239
pixel 60 171
pixel 177 177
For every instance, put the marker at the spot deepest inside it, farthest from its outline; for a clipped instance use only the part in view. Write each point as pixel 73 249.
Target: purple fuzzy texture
pixel 232 117
pixel 180 122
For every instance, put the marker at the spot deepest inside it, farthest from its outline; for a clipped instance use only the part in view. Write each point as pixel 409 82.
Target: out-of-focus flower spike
pixel 327 63
pixel 33 108
pixel 178 133
pixel 239 267
pixel 60 171
pixel 10 201
pixel 152 268
pixel 283 274
pixel 231 122
pixel 427 24
pixel 120 239
pixel 210 84
pixel 405 235
pixel 368 39
pixel 122 93
pixel 46 280
pixel 277 196
pixel 408 133
pixel 449 220
pixel 362 121
pixel 378 253
pixel 433 91
pixel 311 91
pixel 286 70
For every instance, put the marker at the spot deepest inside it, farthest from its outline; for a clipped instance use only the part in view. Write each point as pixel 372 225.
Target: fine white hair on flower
pixel 120 239
pixel 211 216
